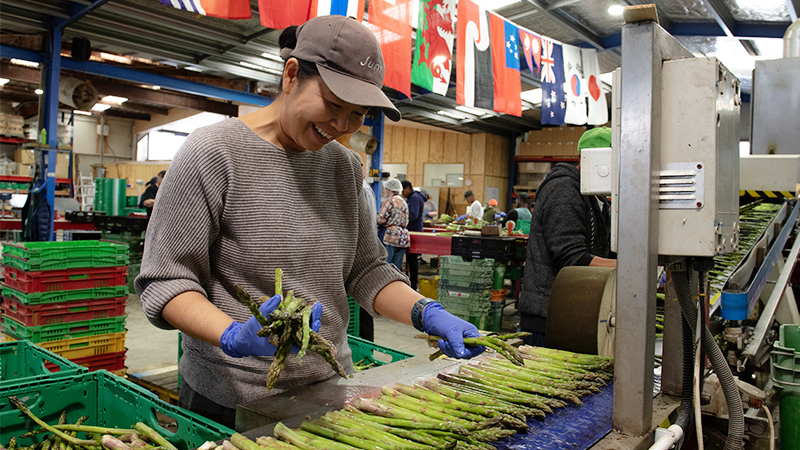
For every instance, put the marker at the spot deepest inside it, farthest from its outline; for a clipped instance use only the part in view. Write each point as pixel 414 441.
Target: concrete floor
pixel 151 348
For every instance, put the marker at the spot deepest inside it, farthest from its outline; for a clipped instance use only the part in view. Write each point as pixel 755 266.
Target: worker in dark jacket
pixel 567 229
pixel 416 212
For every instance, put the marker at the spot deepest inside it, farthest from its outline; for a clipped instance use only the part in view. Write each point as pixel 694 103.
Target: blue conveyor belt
pixel 571 428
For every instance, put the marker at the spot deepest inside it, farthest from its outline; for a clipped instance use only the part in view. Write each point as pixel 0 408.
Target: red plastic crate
pixel 111 362
pixel 65 280
pixel 65 312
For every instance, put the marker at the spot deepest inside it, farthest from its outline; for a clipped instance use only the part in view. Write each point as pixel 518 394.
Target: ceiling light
pixel 194 69
pixel 100 107
pixel 114 99
pixel 154 87
pixel 272 57
pixel 496 4
pixel 534 96
pixel 22 62
pixel 473 111
pixel 615 10
pixel 452 114
pixel 3 81
pixel 39 91
pixel 82 113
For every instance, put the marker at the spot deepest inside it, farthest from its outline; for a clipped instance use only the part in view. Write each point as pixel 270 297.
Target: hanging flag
pixel 505 65
pixel 575 86
pixel 596 99
pixel 474 83
pixel 390 20
pixel 553 104
pixel 532 47
pixel 224 9
pixel 349 8
pixel 433 54
pixel 279 14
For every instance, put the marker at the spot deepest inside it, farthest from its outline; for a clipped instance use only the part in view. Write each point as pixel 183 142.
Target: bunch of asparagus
pixel 483 402
pixel 497 343
pixel 64 436
pixel 289 324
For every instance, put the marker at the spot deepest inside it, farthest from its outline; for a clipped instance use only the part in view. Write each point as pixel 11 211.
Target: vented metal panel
pixel 594 16
pixel 759 10
pixel 680 9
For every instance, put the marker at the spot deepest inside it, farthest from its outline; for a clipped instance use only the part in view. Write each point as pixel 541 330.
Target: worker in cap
pixel 567 229
pixel 222 220
pixel 490 211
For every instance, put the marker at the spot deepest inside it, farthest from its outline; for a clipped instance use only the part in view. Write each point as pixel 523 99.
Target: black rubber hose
pixel 718 362
pixel 685 415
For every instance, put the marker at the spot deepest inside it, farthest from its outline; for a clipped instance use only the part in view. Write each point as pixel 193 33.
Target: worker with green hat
pixel 567 229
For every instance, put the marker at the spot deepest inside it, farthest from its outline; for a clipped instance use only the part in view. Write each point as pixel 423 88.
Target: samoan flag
pixel 224 9
pixel 505 65
pixel 553 103
pixel 349 8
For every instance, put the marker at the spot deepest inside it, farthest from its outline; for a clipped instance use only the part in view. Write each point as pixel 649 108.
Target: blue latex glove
pixel 501 214
pixel 241 339
pixel 461 217
pixel 436 321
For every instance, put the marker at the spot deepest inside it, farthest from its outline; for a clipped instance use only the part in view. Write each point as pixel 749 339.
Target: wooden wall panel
pixel 449 148
pixel 388 132
pixel 398 141
pixel 135 171
pixel 409 150
pixel 463 151
pixel 423 151
pixel 502 184
pixel 436 149
pixel 477 154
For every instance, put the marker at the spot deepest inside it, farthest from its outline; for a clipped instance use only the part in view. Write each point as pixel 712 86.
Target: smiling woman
pixel 273 189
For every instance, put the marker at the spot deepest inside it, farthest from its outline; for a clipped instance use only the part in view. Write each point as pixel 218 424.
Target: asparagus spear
pixel 364 420
pixel 484 398
pixel 377 437
pixel 22 407
pixel 307 441
pixel 412 424
pixel 153 435
pixel 474 372
pixel 274 444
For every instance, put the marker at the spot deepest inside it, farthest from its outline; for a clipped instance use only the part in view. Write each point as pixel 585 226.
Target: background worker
pixel 429 211
pixel 213 227
pixel 394 217
pixel 491 210
pixel 416 210
pixel 475 209
pixel 567 229
pixel 522 211
pixel 149 196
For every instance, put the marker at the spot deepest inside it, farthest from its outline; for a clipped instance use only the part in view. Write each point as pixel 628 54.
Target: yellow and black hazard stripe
pixel 766 194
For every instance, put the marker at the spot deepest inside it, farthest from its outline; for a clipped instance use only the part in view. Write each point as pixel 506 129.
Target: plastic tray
pixel 38 298
pixel 465 271
pixel 82 216
pixel 81 347
pixel 786 357
pixel 22 361
pixel 35 315
pixel 370 353
pixel 55 332
pixel 465 310
pixel 461 283
pixel 109 401
pixel 67 249
pixel 36 264
pixel 355 317
pixel 120 223
pixel 498 248
pixel 111 362
pixel 64 280
pixel 457 262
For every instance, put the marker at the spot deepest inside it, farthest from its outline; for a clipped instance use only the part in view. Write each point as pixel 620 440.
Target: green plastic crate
pixel 109 401
pixel 457 262
pixel 59 331
pixel 461 283
pixel 38 264
pixel 467 296
pixel 66 249
pixel 463 310
pixel 22 361
pixel 355 317
pixel 465 271
pixel 40 298
pixel 786 357
pixel 368 352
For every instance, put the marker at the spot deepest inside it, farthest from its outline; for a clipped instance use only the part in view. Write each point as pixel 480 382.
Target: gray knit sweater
pixel 233 208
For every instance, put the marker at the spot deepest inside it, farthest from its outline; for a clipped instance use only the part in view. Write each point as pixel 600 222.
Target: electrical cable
pixel 771 427
pixel 698 378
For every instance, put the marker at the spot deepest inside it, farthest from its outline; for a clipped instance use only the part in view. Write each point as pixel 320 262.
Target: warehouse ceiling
pixel 242 55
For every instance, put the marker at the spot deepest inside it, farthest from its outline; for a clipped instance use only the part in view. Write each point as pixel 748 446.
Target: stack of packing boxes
pixel 25 161
pixel 557 142
pixel 465 290
pixel 69 298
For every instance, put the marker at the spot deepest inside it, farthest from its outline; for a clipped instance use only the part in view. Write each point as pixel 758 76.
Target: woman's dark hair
pixel 287 42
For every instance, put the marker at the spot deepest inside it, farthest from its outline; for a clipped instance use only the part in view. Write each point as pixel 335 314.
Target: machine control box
pixel 698 183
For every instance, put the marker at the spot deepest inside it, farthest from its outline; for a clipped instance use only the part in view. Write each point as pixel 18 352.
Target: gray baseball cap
pixel 349 60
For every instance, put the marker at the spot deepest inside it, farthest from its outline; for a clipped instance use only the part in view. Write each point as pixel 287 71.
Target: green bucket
pixel 786 375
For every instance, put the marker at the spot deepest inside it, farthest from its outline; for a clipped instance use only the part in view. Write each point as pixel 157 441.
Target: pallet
pixel 163 382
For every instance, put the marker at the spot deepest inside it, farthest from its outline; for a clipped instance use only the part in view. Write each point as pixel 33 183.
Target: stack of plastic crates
pixel 69 298
pixel 127 230
pixel 465 290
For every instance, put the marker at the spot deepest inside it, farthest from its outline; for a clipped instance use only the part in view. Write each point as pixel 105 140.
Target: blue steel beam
pixel 122 73
pixel 377 156
pixel 77 11
pixel 712 29
pixel 722 16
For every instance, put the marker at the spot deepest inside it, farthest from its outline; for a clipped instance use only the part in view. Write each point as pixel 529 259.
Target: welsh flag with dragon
pixel 433 54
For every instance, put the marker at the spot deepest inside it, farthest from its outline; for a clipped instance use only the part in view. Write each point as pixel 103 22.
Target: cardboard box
pixel 25 158
pixel 534 167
